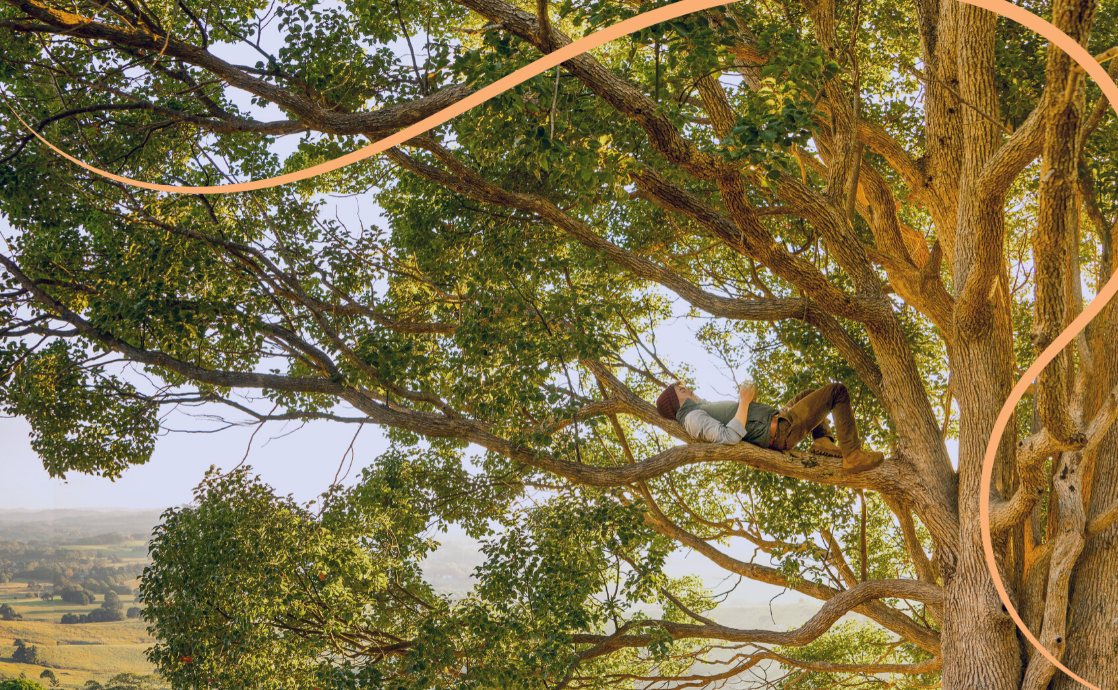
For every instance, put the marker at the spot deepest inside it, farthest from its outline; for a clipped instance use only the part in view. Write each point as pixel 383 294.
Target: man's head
pixel 670 400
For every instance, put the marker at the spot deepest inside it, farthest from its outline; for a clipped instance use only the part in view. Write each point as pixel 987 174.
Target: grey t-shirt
pixel 715 423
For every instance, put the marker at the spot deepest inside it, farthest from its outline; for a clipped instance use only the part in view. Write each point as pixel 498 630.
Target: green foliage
pixel 19 684
pixel 80 418
pixel 240 575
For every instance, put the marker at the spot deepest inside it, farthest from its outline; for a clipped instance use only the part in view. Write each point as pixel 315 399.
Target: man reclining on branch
pixel 753 422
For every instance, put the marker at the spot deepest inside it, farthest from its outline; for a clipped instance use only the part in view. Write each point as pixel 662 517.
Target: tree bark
pixel 1092 644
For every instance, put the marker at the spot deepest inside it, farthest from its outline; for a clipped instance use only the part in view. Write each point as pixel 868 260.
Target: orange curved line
pixel 633 24
pixel 1084 59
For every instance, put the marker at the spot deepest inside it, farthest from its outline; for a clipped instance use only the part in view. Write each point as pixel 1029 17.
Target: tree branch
pixel 1031 454
pixel 835 608
pixel 878 612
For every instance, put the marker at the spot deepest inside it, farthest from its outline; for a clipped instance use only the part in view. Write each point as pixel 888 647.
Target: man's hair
pixel 668 403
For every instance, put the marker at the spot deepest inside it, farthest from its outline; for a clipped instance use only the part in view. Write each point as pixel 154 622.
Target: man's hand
pixel 748 392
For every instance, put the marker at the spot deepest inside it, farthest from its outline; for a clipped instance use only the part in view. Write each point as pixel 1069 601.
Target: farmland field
pixel 75 653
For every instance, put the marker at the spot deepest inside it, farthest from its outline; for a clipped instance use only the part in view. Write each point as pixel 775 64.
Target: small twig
pixel 920 75
pixel 422 83
pixel 250 438
pixel 865 554
pixel 350 453
pixel 554 102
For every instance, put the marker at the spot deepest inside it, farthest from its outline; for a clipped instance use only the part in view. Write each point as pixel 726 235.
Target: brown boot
pixel 825 446
pixel 862 460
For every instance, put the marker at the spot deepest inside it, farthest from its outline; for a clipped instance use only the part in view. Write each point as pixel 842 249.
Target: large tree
pixel 909 197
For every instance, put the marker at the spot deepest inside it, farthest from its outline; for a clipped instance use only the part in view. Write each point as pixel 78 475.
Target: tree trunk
pixel 980 647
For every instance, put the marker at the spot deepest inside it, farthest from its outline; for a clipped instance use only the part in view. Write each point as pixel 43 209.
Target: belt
pixel 772 431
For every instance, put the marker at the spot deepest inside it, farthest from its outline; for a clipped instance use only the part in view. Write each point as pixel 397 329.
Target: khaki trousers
pixel 807 412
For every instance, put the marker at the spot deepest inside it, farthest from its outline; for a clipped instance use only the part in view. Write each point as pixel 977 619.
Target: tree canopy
pixel 911 198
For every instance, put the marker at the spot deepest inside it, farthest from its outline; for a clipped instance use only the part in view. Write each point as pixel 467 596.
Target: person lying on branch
pixel 753 422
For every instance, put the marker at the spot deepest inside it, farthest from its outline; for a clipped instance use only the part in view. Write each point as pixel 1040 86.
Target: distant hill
pixel 100 539
pixel 77 525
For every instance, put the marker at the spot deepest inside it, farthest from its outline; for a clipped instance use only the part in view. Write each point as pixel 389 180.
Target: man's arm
pixel 703 427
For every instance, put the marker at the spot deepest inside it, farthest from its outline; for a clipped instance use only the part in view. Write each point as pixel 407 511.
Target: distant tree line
pixel 91 569
pixel 111 609
pixel 101 539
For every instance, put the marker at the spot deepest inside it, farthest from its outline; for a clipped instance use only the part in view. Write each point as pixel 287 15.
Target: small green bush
pixel 20 684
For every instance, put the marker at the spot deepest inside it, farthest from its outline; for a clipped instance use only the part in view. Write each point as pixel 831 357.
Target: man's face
pixel 683 393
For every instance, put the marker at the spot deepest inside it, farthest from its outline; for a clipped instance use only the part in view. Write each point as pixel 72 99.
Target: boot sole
pixel 856 469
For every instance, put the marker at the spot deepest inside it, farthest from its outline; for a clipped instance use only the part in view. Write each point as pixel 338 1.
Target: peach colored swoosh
pixel 1110 90
pixel 631 25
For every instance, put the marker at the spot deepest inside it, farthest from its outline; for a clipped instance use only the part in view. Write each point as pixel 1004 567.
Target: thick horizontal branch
pixel 812 468
pixel 880 613
pixel 311 115
pixel 835 608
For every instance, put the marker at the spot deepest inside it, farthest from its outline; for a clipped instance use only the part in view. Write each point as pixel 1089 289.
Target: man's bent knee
pixel 838 393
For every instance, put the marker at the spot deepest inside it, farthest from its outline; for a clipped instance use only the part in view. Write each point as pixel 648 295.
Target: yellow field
pixel 121 650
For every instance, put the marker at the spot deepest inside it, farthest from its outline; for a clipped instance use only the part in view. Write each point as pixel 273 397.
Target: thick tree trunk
pixel 981 649
pixel 980 646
